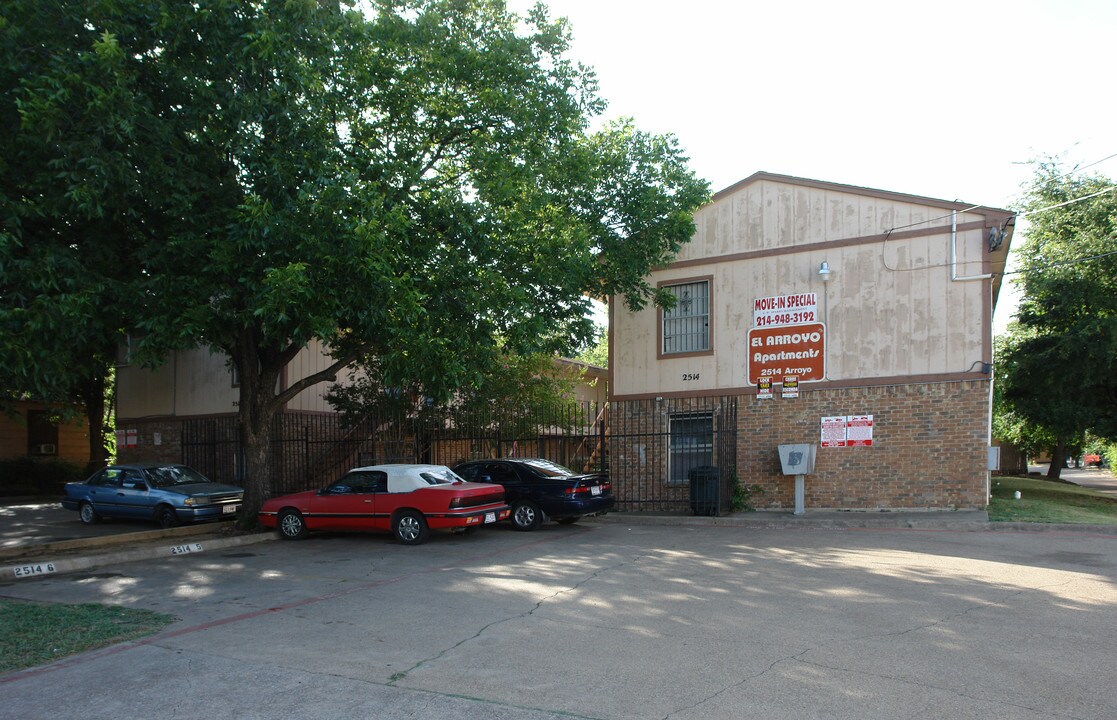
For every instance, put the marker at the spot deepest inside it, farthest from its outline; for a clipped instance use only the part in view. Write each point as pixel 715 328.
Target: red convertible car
pixel 406 500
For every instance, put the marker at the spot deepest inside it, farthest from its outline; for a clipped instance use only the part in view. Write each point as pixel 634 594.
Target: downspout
pixel 954 278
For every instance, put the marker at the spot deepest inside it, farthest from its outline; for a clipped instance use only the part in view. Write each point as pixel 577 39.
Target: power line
pixel 1032 212
pixel 884 260
pixel 1046 266
pixel 1003 273
pixel 1084 167
pixel 1068 202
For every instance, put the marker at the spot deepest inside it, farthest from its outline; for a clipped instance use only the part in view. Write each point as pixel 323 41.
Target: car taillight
pixel 577 489
pixel 455 503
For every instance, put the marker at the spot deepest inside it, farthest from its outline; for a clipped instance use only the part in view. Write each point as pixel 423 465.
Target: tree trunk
pixel 255 442
pixel 1058 457
pixel 257 409
pixel 91 393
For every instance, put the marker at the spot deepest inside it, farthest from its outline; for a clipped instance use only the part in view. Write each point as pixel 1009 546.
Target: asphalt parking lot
pixel 603 620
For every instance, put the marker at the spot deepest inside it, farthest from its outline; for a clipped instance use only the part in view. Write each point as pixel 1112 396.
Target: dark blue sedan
pixel 165 494
pixel 535 488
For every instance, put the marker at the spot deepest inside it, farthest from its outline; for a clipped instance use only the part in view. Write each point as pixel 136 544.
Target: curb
pixel 100 541
pixel 977 522
pixel 45 567
pixel 787 521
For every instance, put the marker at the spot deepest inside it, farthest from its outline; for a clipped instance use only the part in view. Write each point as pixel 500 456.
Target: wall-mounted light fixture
pixel 824 271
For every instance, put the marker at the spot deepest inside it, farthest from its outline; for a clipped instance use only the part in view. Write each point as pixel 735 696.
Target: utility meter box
pixel 797 459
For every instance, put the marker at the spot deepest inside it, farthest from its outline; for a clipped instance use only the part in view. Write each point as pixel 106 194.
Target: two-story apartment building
pixel 856 320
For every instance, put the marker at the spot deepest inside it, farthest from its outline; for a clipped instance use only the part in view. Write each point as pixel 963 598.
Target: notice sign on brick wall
pixel 859 430
pixel 833 431
pixel 847 431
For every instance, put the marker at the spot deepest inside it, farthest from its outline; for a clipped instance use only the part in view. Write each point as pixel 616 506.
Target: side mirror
pixel 485 479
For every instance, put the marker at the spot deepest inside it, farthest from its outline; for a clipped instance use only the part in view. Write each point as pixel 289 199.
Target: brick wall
pixel 169 449
pixel 928 452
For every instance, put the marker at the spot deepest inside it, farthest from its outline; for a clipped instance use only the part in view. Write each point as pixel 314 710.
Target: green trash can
pixel 705 481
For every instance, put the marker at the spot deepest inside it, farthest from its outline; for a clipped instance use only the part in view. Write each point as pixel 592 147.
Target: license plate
pixel 230 509
pixel 490 517
pixel 595 490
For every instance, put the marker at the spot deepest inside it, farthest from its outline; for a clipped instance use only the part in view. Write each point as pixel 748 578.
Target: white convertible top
pixel 406 478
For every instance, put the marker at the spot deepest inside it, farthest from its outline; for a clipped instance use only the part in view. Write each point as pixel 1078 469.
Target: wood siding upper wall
pixel 890 308
pixel 767 215
pixel 199 382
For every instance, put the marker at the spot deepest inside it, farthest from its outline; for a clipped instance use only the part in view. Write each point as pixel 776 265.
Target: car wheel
pixel 526 515
pixel 87 514
pixel 291 525
pixel 567 521
pixel 410 528
pixel 166 516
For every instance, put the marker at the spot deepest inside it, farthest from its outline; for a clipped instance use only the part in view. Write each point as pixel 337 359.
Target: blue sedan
pixel 165 494
pixel 536 488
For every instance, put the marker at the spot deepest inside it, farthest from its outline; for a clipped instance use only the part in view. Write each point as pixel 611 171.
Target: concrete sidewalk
pixel 1100 479
pixel 43 538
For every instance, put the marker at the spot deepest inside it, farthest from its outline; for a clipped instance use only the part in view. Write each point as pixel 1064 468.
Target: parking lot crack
pixel 397 677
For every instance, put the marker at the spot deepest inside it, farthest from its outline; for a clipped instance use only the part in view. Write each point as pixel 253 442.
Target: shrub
pixel 742 495
pixel 32 476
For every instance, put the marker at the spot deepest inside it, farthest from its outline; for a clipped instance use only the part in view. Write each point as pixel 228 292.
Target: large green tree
pixel 66 204
pixel 1058 364
pixel 413 181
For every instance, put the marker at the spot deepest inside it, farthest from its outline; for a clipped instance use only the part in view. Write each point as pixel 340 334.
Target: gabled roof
pixel 993 216
pixel 855 190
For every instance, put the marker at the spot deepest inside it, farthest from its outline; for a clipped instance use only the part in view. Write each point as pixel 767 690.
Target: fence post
pixel 601 417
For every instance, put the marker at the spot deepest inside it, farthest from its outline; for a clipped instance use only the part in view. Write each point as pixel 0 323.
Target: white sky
pixel 945 100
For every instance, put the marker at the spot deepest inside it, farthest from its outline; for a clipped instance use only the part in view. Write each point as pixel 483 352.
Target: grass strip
pixel 35 633
pixel 1049 501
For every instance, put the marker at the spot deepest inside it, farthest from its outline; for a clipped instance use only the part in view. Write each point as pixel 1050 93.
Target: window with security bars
pixel 691 445
pixel 686 327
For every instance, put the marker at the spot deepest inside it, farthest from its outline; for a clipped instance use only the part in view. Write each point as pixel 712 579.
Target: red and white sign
pixel 794 350
pixel 847 431
pixel 133 437
pixel 833 431
pixel 785 310
pixel 859 430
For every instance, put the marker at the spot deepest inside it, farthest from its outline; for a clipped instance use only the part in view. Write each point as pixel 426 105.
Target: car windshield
pixel 443 476
pixel 550 469
pixel 170 475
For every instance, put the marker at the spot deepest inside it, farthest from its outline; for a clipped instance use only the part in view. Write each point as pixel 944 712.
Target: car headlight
pixel 196 501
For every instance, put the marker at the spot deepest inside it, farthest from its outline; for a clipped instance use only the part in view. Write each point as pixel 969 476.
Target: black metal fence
pixel 670 455
pixel 310 451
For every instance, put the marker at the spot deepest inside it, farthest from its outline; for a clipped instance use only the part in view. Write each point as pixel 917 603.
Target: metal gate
pixel 674 455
